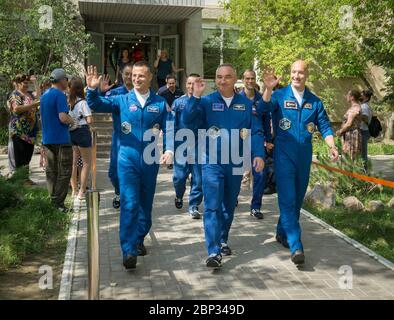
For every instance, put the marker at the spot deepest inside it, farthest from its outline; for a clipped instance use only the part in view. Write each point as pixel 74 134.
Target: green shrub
pixel 27 220
pixel 3 135
pixel 374 148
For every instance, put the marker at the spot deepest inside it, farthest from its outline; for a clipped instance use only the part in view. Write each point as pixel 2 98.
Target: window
pixel 221 45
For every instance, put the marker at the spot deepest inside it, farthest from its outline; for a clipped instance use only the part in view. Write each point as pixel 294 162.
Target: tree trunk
pixel 389 126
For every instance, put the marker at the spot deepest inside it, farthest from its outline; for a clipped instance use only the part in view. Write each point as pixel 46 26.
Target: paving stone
pixel 259 268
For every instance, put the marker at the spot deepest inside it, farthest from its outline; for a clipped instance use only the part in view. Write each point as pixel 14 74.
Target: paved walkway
pixel 259 269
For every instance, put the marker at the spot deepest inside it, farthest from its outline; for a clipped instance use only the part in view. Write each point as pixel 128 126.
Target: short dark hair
pixel 19 78
pixel 248 70
pixel 143 63
pixel 367 93
pixel 170 76
pixel 356 94
pixel 127 65
pixel 196 75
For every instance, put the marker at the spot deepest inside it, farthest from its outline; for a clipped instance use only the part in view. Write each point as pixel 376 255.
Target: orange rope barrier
pixel 358 176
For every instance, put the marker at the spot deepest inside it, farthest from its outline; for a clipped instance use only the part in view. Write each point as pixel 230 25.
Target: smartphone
pixel 159 52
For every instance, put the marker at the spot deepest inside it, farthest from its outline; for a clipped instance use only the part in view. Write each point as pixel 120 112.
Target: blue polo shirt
pixel 53 102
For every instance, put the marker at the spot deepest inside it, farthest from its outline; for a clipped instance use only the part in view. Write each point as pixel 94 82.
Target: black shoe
pixel 269 190
pixel 282 241
pixel 130 262
pixel 225 250
pixel 178 203
pixel 141 249
pixel 298 257
pixel 256 213
pixel 214 261
pixel 116 202
pixel 194 213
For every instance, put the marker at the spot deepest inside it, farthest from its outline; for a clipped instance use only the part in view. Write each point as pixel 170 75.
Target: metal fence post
pixel 92 203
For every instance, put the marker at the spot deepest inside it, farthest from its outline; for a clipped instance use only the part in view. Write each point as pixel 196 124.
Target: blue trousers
pixel 137 188
pixel 259 182
pixel 292 168
pixel 113 163
pixel 220 189
pixel 181 172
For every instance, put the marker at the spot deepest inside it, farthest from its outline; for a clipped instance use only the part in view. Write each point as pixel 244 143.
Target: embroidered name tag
pixel 153 109
pixel 308 106
pixel 217 107
pixel 133 108
pixel 290 105
pixel 285 124
pixel 126 127
pixel 239 107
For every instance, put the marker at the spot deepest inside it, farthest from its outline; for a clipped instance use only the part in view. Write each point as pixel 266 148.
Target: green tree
pixel 40 35
pixel 337 37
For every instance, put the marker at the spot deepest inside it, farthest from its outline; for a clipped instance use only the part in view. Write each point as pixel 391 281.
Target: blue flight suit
pixel 182 169
pixel 113 164
pixel 259 178
pixel 137 179
pixel 293 126
pixel 220 186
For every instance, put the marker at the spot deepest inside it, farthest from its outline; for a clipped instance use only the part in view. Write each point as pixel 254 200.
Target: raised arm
pixel 194 111
pixel 93 98
pixel 156 63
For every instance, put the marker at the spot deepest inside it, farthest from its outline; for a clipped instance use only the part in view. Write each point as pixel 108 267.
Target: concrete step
pixel 101 124
pixel 104 131
pixel 103 155
pixel 104 136
pixel 102 117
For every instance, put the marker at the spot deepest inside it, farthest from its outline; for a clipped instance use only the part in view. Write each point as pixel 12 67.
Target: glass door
pixel 171 43
pixel 96 54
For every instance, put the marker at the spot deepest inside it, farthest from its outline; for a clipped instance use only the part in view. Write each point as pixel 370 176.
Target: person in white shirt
pixel 366 113
pixel 81 138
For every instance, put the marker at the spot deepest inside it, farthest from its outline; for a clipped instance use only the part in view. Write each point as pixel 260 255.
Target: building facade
pixel 144 27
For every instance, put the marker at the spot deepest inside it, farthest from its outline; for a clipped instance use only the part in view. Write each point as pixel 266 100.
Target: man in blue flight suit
pixel 142 114
pixel 221 112
pixel 259 178
pixel 182 166
pixel 296 112
pixel 113 164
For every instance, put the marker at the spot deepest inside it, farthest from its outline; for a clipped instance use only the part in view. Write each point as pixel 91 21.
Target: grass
pixel 28 220
pixel 374 148
pixel 375 230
